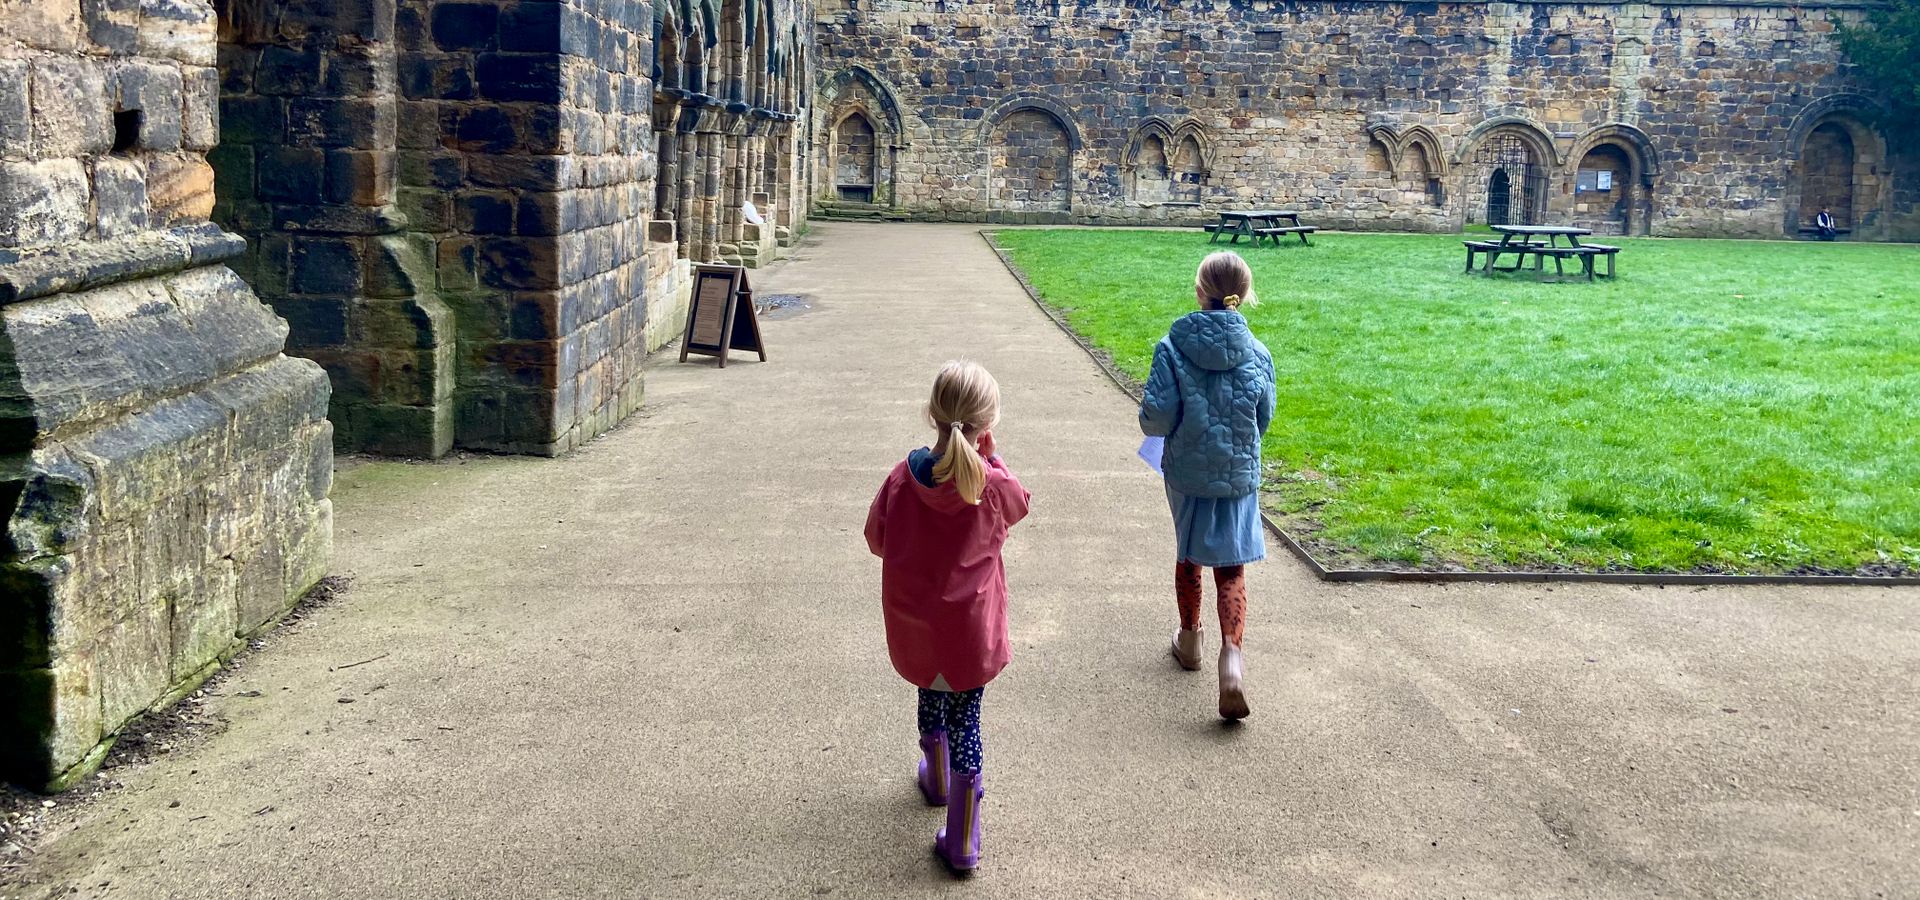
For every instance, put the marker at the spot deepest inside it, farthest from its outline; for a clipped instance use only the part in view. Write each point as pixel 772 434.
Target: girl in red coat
pixel 937 525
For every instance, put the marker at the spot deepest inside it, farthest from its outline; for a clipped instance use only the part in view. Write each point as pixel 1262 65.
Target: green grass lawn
pixel 1723 406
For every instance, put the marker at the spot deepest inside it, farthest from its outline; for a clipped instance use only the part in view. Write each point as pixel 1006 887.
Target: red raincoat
pixel 943 589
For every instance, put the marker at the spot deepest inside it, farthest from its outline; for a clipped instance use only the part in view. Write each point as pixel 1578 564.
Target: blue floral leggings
pixel 958 713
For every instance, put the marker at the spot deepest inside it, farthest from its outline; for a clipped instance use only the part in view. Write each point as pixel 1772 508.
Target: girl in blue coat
pixel 1211 395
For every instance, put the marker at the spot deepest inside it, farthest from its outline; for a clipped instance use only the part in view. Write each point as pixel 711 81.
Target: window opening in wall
pixel 126 130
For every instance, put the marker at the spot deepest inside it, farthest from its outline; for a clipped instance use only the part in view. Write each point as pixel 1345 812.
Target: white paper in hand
pixel 1151 450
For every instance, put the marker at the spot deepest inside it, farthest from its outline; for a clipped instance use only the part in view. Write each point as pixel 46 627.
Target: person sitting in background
pixel 1823 225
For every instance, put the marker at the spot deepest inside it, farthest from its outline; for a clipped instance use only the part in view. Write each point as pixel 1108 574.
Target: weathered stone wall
pixel 307 165
pixel 163 467
pixel 452 199
pixel 1363 114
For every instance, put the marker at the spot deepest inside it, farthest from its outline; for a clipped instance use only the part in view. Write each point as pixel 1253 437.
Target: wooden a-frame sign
pixel 722 317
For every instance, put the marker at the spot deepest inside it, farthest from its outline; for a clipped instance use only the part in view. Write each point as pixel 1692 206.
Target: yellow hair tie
pixel 1230 301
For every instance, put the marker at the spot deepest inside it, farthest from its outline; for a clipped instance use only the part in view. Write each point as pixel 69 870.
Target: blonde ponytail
pixel 962 465
pixel 965 402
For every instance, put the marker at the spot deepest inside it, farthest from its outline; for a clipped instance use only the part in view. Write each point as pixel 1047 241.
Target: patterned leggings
pixel 1230 582
pixel 958 713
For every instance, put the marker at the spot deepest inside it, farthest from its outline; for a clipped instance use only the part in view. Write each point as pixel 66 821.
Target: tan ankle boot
pixel 1186 648
pixel 1233 699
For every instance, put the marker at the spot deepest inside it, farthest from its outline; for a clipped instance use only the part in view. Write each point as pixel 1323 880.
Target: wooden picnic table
pixel 1258 223
pixel 1540 242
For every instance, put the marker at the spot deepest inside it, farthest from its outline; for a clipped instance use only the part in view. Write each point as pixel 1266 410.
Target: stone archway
pixel 1030 165
pixel 854 166
pixel 1514 157
pixel 1151 175
pixel 861 134
pixel 1826 174
pixel 1603 190
pixel 1615 169
pixel 1839 163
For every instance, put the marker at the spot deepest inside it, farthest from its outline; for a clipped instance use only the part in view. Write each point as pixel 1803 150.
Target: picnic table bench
pixel 1541 242
pixel 1257 224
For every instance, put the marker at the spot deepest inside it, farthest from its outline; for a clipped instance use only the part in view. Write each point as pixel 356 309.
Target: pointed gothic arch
pixel 857 92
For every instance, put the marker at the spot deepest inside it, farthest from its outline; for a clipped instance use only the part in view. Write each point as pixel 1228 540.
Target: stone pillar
pixel 167 468
pixel 687 209
pixel 712 182
pixel 732 194
pixel 308 170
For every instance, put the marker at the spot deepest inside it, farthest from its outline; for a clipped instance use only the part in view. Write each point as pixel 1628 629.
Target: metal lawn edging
pixel 1127 386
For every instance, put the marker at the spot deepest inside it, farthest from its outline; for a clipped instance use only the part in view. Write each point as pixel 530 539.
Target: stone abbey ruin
pixel 236 236
pixel 1697 119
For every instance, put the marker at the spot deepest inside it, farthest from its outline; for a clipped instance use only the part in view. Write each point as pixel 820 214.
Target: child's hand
pixel 985 446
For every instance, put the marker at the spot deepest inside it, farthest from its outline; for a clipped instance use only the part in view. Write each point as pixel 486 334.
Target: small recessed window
pixel 126 130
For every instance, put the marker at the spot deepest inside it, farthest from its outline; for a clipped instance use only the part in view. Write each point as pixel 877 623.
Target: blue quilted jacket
pixel 1211 395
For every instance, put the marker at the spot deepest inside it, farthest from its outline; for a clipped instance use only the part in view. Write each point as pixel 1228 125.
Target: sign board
pixel 722 316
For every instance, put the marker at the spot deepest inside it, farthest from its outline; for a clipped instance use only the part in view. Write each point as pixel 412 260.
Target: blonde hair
pixel 965 402
pixel 1224 279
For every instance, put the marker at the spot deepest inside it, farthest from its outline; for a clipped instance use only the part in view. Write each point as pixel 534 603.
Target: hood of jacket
pixel 1217 340
pixel 944 497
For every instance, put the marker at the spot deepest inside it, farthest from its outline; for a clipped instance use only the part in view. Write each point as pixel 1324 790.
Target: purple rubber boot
pixel 959 843
pixel 933 768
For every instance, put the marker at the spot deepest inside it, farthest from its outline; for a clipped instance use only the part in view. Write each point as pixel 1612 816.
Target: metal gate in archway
pixel 1515 181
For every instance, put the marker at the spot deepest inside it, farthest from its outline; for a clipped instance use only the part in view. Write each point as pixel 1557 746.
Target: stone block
pixel 291 174
pixel 181 30
pixel 140 325
pixel 200 108
pixel 397 266
pixel 328 122
pixel 46 24
pixel 133 661
pixel 518 264
pixel 528 77
pixel 112 25
pixel 16 109
pixel 531 27
pixel 155 90
pixel 179 188
pixel 72 112
pixel 323 265
pixel 465 26
pixel 427 209
pixel 429 77
pixel 402 324
pixel 288 72
pixel 457 265
pixel 43 202
pixel 352 75
pixel 480 212
pixel 202 624
pixel 313 322
pixel 487 129
pixel 120 196
pixel 232 327
pixel 252 120
pixel 360 177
